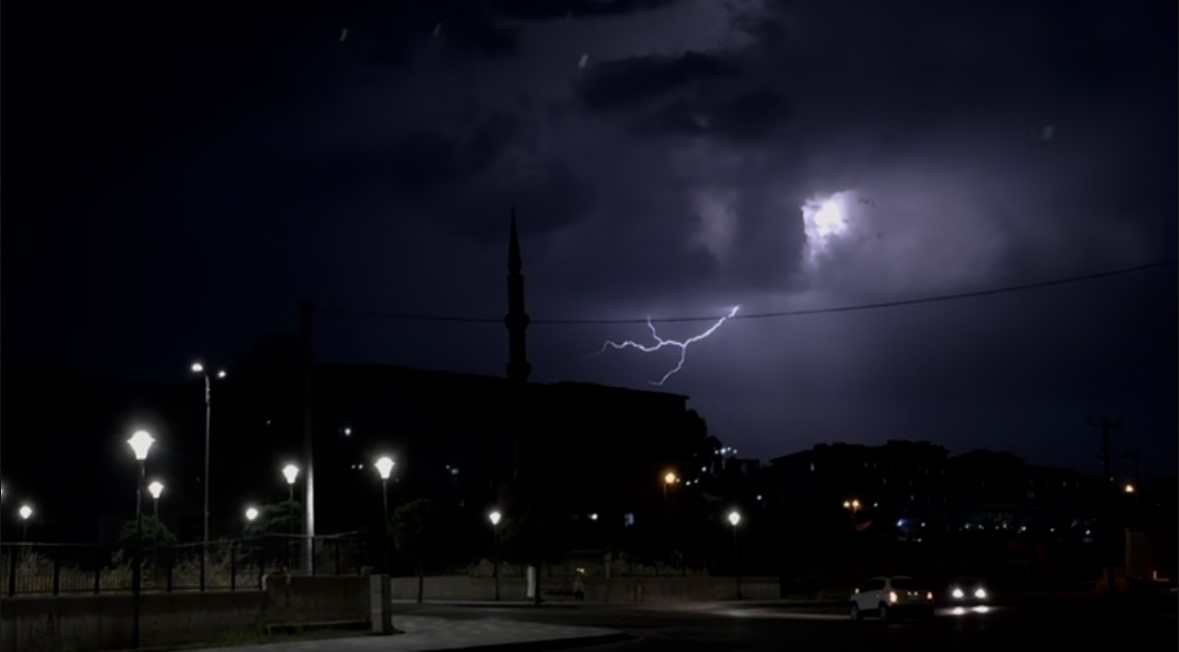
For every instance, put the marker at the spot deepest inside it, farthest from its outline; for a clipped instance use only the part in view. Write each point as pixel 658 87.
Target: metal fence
pixel 229 565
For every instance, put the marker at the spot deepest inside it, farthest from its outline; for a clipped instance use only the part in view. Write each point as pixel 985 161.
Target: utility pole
pixel 307 317
pixel 1107 498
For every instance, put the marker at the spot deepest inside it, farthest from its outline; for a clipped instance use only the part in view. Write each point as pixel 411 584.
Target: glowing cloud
pixel 661 343
pixel 825 219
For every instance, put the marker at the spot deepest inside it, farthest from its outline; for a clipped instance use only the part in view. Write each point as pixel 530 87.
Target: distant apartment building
pixel 916 487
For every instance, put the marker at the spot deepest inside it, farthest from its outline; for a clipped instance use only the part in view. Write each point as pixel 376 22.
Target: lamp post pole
pixel 384 467
pixel 140 443
pixel 199 368
pixel 734 519
pixel 495 517
pixel 291 473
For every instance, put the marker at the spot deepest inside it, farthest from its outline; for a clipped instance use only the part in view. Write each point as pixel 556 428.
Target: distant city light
pixel 1129 488
pixel 494 517
pixel 734 518
pixel 594 516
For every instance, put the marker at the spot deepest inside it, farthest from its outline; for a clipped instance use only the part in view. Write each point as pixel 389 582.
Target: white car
pixel 891 597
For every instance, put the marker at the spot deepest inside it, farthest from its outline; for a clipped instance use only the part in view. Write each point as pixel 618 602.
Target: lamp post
pixel 25 512
pixel 140 444
pixel 198 368
pixel 852 506
pixel 734 519
pixel 385 468
pixel 290 472
pixel 155 489
pixel 669 479
pixel 495 517
pixel 251 514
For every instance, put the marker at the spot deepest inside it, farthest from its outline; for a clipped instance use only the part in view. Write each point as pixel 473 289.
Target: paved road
pixel 713 627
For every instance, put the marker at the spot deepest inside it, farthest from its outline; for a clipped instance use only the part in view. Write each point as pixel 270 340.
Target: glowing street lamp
pixel 251 514
pixel 385 468
pixel 155 489
pixel 26 513
pixel 1129 488
pixel 734 520
pixel 291 472
pixel 495 517
pixel 198 368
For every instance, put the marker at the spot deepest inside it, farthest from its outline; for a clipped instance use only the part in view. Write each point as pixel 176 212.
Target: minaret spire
pixel 517 319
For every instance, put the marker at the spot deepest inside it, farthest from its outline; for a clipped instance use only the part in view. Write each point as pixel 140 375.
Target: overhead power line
pixel 766 315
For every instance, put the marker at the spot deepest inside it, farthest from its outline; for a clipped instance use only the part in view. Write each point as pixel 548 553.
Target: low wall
pixel 460 588
pixel 104 622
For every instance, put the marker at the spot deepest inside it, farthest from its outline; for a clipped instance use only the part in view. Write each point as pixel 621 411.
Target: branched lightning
pixel 661 343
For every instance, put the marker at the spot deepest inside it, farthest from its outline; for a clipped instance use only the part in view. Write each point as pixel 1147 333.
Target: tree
pixel 276 518
pixel 155 533
pixel 419 531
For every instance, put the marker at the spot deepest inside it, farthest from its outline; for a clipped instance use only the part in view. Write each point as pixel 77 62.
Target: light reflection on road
pixel 966 611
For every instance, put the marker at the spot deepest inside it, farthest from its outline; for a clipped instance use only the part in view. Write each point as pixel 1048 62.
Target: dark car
pixel 968 591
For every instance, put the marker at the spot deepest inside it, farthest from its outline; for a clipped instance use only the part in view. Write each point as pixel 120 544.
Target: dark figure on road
pixel 578 589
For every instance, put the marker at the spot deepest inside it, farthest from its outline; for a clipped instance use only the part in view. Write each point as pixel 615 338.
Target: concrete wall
pixel 617 590
pixel 104 622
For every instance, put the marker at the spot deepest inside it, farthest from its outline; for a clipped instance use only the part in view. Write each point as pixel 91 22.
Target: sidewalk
pixel 422 633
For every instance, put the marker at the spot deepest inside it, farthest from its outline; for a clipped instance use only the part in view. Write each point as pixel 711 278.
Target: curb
pixel 549 644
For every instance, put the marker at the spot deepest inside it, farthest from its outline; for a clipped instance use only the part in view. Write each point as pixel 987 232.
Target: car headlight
pixel 980 593
pixel 892 596
pixel 957 593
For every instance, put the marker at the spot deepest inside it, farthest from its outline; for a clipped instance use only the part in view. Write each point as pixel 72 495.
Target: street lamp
pixel 734 519
pixel 251 514
pixel 1129 488
pixel 495 517
pixel 852 506
pixel 25 513
pixel 291 472
pixel 140 444
pixel 385 468
pixel 669 479
pixel 198 368
pixel 155 489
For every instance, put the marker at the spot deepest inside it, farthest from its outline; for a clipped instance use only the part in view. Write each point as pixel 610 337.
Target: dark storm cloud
pixel 618 84
pixel 549 9
pixel 665 178
pixel 746 114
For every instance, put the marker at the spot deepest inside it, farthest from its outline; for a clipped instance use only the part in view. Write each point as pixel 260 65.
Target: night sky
pixel 176 178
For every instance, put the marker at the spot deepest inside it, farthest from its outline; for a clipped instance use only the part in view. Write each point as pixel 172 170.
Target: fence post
pixel 336 543
pixel 56 571
pixel 171 563
pixel 12 551
pixel 261 548
pixel 232 566
pixel 97 569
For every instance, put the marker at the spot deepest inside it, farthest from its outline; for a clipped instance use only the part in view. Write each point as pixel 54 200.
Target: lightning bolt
pixel 662 343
